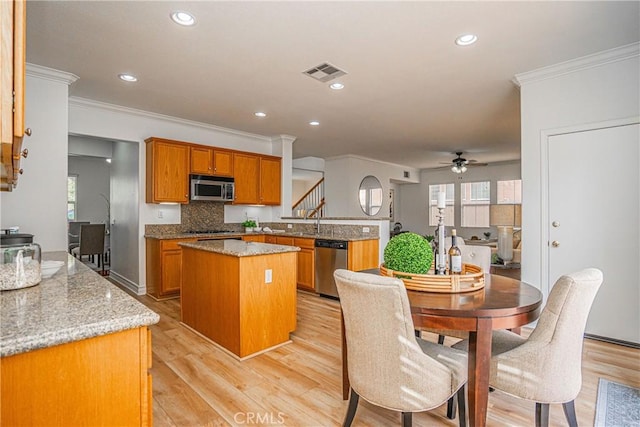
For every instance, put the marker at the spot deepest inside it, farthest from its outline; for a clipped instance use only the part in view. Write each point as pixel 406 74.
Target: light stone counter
pixel 74 304
pixel 239 248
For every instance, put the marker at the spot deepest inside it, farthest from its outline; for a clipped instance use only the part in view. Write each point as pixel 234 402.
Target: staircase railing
pixel 311 204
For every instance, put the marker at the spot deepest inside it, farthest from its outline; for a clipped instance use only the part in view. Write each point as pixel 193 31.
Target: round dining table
pixel 503 303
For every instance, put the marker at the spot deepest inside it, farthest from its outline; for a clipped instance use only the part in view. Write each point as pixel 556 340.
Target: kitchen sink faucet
pixel 317 222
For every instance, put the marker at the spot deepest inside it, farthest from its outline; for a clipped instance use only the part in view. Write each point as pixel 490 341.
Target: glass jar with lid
pixel 20 261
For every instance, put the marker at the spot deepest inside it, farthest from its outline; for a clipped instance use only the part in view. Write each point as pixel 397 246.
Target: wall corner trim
pixel 589 61
pixel 46 73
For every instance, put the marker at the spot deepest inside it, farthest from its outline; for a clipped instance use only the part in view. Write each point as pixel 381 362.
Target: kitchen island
pixel 240 295
pixel 75 350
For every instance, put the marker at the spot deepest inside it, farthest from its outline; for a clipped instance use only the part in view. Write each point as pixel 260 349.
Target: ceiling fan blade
pixel 478 164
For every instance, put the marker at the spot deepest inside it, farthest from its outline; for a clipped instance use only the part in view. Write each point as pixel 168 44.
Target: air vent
pixel 325 72
pixel 406 174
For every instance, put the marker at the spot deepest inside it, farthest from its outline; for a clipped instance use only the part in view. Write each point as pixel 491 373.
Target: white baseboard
pixel 132 286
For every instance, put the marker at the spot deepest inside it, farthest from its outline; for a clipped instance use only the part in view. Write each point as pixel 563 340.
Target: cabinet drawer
pixel 168 245
pixel 284 241
pixel 304 243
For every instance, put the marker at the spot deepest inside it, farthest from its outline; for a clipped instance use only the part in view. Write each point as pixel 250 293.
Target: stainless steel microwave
pixel 215 188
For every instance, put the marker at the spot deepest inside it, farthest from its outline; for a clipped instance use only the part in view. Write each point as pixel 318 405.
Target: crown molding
pixel 89 103
pixel 368 159
pixel 590 61
pixel 33 70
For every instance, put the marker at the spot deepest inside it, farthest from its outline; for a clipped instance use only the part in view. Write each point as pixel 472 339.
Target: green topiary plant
pixel 409 253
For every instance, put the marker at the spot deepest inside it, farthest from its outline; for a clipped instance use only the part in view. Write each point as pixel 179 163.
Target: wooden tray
pixel 471 279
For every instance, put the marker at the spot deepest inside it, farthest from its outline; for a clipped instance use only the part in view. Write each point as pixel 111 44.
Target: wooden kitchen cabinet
pixel 270 239
pixel 12 77
pixel 164 267
pixel 257 179
pixel 211 161
pixel 246 170
pixel 260 238
pixel 96 381
pixel 363 254
pixel 270 177
pixel 167 171
pixel 306 264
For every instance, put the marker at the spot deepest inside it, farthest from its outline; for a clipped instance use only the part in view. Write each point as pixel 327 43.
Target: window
pixel 449 219
pixel 510 192
pixel 72 186
pixel 474 202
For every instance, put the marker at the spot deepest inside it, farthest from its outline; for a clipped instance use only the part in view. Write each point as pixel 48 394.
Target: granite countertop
pixel 221 236
pixel 74 304
pixel 239 248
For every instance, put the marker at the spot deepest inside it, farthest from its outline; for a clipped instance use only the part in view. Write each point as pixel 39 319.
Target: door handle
pixel 555 243
pixel 555 224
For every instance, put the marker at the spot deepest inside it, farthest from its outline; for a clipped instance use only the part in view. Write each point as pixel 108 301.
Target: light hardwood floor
pixel 299 384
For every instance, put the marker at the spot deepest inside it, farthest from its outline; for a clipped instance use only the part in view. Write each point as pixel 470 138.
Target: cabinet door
pixel 171 272
pixel 270 239
pixel 270 181
pixel 246 168
pixel 201 160
pixel 259 238
pixel 306 269
pixel 222 163
pixel 281 240
pixel 167 172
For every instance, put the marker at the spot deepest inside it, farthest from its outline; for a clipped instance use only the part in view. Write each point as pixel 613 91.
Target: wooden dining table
pixel 503 303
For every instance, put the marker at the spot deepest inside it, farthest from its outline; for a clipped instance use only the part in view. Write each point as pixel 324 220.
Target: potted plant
pixel 408 253
pixel 249 225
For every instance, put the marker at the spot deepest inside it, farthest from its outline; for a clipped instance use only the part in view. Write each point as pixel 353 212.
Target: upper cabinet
pixel 257 179
pixel 211 161
pixel 270 180
pixel 167 171
pixel 12 75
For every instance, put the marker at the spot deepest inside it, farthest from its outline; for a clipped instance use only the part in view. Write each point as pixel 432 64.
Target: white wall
pixel 342 183
pixel 95 119
pixel 39 203
pixel 92 184
pixel 414 198
pixel 82 146
pixel 598 88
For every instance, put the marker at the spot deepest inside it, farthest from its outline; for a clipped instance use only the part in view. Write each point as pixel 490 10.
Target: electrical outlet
pixel 160 213
pixel 268 276
pixel 365 229
pixel 289 225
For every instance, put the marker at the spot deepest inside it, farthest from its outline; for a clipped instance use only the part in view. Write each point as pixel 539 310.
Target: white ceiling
pixel 412 96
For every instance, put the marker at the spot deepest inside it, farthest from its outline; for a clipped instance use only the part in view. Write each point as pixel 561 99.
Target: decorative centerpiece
pixel 409 257
pixel 249 225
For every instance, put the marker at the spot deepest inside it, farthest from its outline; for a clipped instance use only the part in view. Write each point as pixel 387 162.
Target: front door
pixel 594 207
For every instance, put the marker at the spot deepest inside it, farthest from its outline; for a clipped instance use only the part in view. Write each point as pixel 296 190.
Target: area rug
pixel 618 405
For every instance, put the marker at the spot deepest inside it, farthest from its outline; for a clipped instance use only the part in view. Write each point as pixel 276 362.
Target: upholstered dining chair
pixel 546 367
pixel 388 366
pixel 91 242
pixel 74 233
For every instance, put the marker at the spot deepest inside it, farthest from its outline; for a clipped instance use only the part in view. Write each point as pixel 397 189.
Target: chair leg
pixel 462 406
pixel 406 419
pixel 351 410
pixel 441 339
pixel 570 413
pixel 542 414
pixel 451 408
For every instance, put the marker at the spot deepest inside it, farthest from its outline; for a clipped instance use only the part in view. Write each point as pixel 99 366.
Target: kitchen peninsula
pixel 75 350
pixel 241 295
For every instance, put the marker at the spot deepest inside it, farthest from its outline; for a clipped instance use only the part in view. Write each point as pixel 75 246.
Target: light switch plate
pixel 289 225
pixel 365 229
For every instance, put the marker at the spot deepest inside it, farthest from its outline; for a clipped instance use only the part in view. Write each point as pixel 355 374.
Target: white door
pixel 594 207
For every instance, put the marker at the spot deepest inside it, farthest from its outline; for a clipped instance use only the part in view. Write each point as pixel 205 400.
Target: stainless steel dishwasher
pixel 330 255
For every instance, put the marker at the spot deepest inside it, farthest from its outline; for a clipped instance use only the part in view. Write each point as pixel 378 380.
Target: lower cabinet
pixel 96 381
pixel 306 264
pixel 259 238
pixel 164 267
pixel 363 254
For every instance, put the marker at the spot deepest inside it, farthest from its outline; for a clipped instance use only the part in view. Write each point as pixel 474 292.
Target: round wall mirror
pixel 370 195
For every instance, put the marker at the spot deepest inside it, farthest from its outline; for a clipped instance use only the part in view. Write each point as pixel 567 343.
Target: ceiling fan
pixel 460 164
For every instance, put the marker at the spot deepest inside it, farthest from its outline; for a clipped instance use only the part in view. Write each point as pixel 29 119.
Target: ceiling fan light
pixel 455 169
pixel 463 168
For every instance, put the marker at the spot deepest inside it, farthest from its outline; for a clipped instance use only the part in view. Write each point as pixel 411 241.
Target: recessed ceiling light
pixel 314 123
pixel 128 77
pixel 466 39
pixel 183 18
pixel 336 86
pixel 260 114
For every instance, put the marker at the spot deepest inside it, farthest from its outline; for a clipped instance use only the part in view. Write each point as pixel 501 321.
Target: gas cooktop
pixel 207 231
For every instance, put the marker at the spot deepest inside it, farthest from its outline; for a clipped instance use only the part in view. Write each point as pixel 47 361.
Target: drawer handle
pixel 27 131
pixel 25 153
